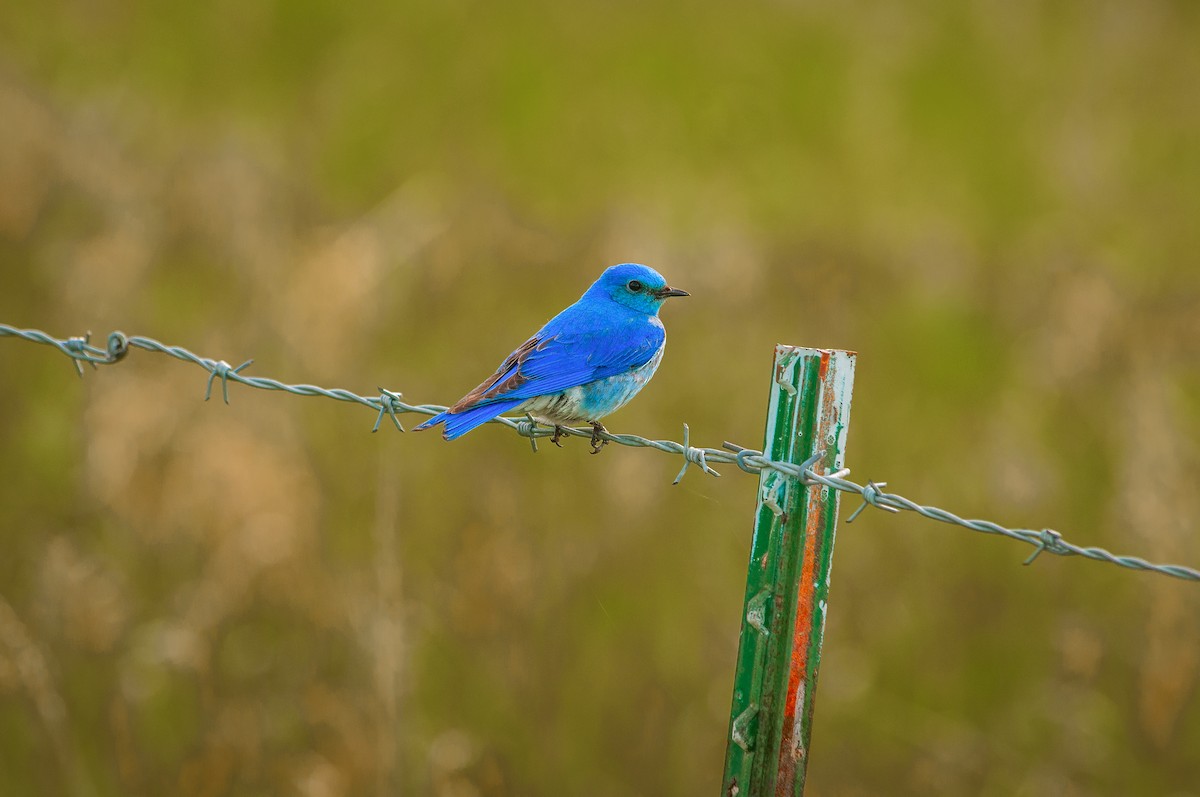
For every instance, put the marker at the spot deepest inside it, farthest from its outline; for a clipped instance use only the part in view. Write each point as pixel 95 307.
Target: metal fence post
pixel 787 581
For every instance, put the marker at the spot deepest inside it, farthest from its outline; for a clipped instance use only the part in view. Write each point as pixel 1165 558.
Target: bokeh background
pixel 994 202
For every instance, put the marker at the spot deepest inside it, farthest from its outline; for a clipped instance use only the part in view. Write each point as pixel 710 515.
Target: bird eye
pixel 634 286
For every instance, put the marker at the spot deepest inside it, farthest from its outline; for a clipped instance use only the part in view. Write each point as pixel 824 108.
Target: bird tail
pixel 458 424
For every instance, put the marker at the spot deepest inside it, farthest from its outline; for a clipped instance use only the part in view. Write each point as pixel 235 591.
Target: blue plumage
pixel 585 363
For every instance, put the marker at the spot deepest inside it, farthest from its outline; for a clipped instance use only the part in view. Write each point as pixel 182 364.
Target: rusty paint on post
pixel 787 582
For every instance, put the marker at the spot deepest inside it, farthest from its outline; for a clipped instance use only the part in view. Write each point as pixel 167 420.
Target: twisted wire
pixel 391 404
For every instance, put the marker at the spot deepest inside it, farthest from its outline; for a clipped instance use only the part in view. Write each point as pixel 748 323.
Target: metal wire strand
pixel 390 404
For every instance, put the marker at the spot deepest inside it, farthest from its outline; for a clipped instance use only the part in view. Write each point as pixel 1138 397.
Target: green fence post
pixel 787 582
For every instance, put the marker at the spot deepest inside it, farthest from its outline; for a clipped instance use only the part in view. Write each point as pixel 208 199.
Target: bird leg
pixel 597 442
pixel 558 434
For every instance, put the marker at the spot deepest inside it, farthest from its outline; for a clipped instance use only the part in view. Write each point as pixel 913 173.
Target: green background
pixel 995 203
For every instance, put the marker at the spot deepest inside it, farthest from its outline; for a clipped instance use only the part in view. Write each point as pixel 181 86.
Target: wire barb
pixel 387 405
pixel 693 455
pixel 1048 540
pixel 221 369
pixel 748 460
pixel 78 347
pixel 871 495
pixel 528 427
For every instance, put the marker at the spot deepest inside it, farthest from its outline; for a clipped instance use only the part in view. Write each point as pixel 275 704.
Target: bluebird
pixel 585 363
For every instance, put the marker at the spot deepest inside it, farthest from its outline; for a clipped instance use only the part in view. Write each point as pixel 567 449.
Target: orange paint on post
pixel 798 698
pixel 790 751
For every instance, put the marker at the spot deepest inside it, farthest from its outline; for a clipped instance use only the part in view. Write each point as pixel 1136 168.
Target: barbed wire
pixel 390 404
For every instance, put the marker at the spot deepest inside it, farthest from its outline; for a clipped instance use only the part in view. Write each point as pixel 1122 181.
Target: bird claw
pixel 558 434
pixel 598 442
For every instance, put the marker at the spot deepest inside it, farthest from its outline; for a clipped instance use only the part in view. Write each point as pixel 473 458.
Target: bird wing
pixel 555 360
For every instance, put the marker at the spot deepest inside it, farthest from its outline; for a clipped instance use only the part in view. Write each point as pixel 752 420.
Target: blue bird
pixel 585 363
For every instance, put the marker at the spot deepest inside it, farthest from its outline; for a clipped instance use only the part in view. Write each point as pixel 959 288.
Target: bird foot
pixel 597 442
pixel 558 435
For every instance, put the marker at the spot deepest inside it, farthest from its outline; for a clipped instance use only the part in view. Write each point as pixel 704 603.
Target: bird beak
pixel 663 293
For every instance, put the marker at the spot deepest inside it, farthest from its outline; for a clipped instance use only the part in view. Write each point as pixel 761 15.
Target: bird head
pixel 636 286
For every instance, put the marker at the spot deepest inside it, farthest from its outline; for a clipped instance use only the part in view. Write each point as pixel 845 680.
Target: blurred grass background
pixel 995 203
